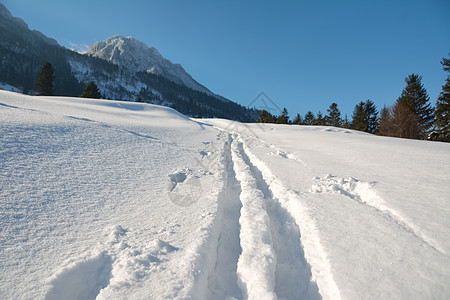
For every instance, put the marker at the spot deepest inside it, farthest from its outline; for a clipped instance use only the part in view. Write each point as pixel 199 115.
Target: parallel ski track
pixel 259 251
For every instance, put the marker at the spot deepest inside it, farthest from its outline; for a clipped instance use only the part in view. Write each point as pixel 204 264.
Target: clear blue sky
pixel 303 54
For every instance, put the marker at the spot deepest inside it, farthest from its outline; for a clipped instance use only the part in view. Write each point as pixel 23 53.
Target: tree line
pixel 411 116
pixel 45 87
pixel 184 99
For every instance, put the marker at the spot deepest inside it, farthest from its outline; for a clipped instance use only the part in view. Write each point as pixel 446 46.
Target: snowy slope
pixel 373 212
pixel 111 200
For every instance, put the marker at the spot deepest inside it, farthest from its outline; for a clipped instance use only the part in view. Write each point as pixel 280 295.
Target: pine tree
pixel 284 117
pixel 309 118
pixel 91 91
pixel 345 123
pixel 266 117
pixel 333 118
pixel 44 84
pixel 415 96
pixel 359 117
pixel 442 112
pixel 319 120
pixel 297 120
pixel 371 116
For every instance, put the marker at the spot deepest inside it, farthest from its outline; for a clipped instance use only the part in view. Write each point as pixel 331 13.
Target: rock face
pixel 130 53
pixel 11 26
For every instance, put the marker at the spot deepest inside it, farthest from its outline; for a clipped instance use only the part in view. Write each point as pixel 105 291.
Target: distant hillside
pixel 122 67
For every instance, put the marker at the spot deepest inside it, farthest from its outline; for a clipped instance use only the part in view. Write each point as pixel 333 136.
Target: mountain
pixel 133 54
pixel 12 26
pixel 122 67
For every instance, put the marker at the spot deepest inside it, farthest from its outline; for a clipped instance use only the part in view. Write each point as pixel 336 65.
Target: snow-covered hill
pixel 129 53
pixel 112 200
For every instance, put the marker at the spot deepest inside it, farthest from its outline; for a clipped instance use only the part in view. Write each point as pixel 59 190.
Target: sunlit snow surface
pixel 112 200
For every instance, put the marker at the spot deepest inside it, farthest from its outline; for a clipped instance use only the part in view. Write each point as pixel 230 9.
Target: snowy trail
pixel 257 262
pixel 259 253
pixel 292 271
pixel 320 284
pixel 222 279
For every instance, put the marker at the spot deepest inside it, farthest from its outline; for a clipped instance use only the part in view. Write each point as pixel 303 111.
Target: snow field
pixel 75 171
pixel 113 200
pixel 383 235
pixel 363 192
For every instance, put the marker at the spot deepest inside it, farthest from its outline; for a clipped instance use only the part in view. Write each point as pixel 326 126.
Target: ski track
pixel 292 273
pixel 321 284
pixel 363 193
pixel 259 253
pixel 222 279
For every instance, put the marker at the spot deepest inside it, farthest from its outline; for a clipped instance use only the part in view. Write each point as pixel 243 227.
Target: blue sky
pixel 303 54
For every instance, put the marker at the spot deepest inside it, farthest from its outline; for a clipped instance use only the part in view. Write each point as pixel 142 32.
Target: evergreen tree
pixel 415 96
pixel 359 117
pixel 333 118
pixel 44 84
pixel 297 120
pixel 284 117
pixel 265 117
pixel 309 118
pixel 365 117
pixel 442 112
pixel 319 120
pixel 346 123
pixel 371 116
pixel 91 91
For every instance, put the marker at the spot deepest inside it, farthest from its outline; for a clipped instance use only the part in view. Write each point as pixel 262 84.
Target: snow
pixel 8 87
pixel 118 200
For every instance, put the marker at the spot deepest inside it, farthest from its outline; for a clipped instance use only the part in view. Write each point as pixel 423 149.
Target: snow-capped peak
pixel 130 53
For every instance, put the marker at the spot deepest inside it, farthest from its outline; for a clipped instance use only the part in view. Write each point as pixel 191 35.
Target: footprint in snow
pixel 184 188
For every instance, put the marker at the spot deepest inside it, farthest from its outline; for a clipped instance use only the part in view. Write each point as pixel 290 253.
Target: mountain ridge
pixel 122 74
pixel 127 51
